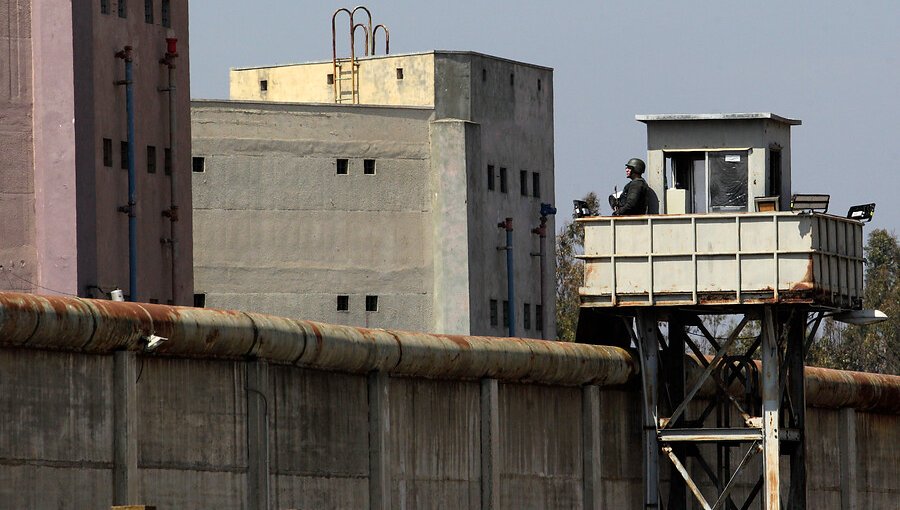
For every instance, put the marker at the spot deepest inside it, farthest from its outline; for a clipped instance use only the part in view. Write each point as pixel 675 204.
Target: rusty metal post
pixel 771 401
pixel 797 399
pixel 648 342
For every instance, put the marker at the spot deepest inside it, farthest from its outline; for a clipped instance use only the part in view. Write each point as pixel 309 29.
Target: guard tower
pixel 729 426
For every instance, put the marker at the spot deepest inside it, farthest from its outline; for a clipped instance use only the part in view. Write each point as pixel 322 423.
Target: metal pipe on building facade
pixel 510 279
pixel 172 212
pixel 126 55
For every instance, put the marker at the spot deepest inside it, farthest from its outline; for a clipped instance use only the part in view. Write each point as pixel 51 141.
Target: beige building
pixel 374 198
pixel 64 167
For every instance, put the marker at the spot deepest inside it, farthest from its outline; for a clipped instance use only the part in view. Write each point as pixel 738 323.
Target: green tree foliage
pixel 570 272
pixel 874 348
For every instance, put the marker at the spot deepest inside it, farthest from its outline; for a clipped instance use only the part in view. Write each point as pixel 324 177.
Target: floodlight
pixel 811 203
pixel 581 209
pixel 862 212
pixel 860 317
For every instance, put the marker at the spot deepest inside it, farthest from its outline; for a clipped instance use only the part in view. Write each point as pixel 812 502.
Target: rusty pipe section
pixel 825 387
pixel 101 327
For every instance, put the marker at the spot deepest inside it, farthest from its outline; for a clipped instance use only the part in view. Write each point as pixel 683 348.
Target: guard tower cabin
pixel 729 238
pixel 726 234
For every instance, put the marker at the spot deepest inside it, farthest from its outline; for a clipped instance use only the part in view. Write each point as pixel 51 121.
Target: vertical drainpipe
pixel 510 281
pixel 125 54
pixel 541 232
pixel 172 212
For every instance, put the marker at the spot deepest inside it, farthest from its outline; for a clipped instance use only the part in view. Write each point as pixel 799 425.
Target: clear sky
pixel 834 64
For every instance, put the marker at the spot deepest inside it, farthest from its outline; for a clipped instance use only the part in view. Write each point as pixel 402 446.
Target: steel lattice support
pixel 761 382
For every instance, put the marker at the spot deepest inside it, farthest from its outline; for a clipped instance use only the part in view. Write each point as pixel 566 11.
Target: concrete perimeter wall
pixel 195 427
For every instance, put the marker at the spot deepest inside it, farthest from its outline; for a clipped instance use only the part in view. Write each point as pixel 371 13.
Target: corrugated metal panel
pixel 721 259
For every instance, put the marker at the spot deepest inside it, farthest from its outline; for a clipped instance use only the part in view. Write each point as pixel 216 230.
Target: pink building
pixel 64 146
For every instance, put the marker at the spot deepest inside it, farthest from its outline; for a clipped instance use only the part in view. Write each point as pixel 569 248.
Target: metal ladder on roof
pixel 346 81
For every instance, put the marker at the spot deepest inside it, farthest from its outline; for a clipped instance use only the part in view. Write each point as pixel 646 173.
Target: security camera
pixel 153 341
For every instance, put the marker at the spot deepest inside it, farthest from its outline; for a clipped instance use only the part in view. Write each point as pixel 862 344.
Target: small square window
pixel 536 184
pixel 371 303
pixel 490 177
pixel 539 317
pixel 342 166
pixel 200 300
pixel 148 11
pixel 503 188
pixel 399 73
pixel 123 9
pixel 104 6
pixel 263 85
pixel 167 161
pixel 151 159
pixel 526 316
pixel 369 166
pixel 505 314
pixel 198 164
pixel 107 152
pixel 123 153
pixel 523 182
pixel 330 79
pixel 493 312
pixel 166 14
pixel 343 303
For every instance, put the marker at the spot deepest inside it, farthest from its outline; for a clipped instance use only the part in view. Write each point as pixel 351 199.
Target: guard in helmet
pixel 633 199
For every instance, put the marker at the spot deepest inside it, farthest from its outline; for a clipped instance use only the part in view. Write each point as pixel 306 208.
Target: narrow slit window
pixel 123 153
pixel 512 79
pixel 493 312
pixel 200 300
pixel 539 317
pixel 151 159
pixel 505 314
pixel 198 164
pixel 536 184
pixel 123 9
pixel 490 177
pixel 484 75
pixel 166 14
pixel 104 6
pixel 107 152
pixel 330 79
pixel 539 84
pixel 371 303
pixel 502 180
pixel 369 166
pixel 399 73
pixel 148 11
pixel 342 166
pixel 526 316
pixel 263 85
pixel 343 303
pixel 523 182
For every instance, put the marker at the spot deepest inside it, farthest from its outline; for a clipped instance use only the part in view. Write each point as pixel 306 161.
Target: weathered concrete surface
pixel 195 404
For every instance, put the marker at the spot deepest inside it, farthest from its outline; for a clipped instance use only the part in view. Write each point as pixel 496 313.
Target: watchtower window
pixel 728 173
pixel 773 189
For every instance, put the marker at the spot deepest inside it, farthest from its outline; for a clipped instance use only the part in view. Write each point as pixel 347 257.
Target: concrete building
pixel 63 172
pixel 379 205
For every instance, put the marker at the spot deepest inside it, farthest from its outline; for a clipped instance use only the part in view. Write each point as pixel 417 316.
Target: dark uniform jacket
pixel 634 198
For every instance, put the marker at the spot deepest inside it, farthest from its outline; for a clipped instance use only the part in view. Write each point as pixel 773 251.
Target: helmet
pixel 637 165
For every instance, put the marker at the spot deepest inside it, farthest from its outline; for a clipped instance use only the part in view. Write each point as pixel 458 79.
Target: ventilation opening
pixel 484 75
pixel 151 159
pixel 536 184
pixel 123 154
pixel 198 164
pixel 539 84
pixel 343 303
pixel 523 182
pixel 399 73
pixel 490 177
pixel 369 166
pixel 200 300
pixel 342 166
pixel 167 161
pixel 503 187
pixel 263 85
pixel 330 79
pixel 107 152
pixel 371 303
